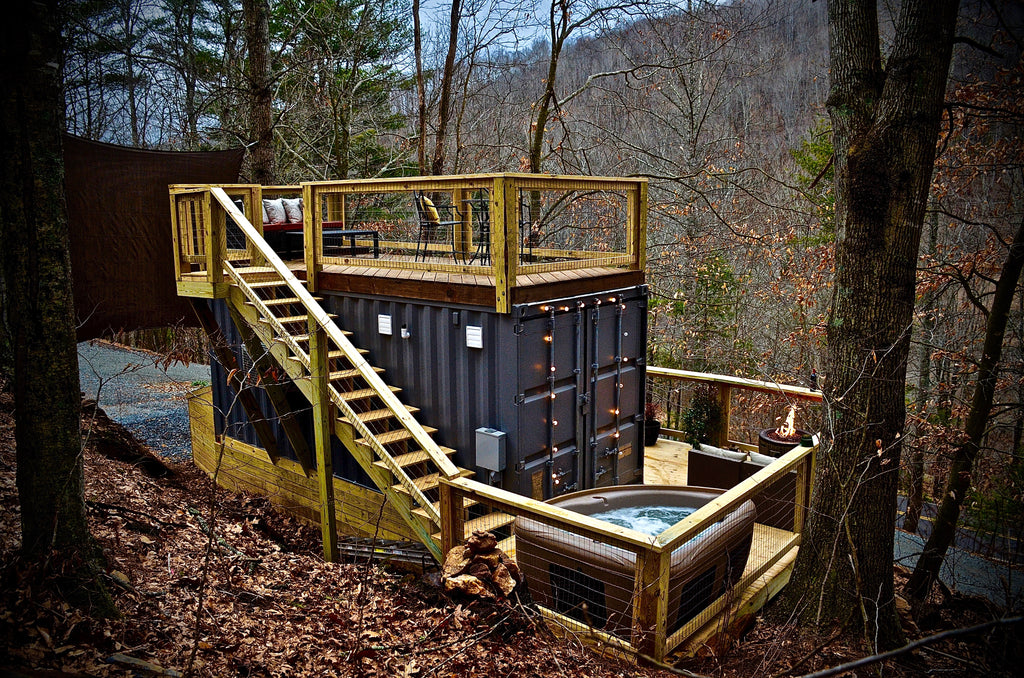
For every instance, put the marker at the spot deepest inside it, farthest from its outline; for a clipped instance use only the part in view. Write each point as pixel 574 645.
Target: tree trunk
pixel 885 125
pixel 915 491
pixel 926 572
pixel 37 271
pixel 256 15
pixel 421 90
pixel 444 111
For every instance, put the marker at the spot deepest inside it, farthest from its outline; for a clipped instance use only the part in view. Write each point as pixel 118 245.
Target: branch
pixel 971 42
pixel 909 647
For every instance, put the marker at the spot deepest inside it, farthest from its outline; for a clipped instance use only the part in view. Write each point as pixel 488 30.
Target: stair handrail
pixel 445 466
pixel 336 398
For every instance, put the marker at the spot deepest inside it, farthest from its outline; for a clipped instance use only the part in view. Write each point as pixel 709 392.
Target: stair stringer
pixel 342 429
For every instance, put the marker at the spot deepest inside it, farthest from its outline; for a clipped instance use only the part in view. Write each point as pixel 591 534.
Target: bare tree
pixel 885 122
pixel 37 277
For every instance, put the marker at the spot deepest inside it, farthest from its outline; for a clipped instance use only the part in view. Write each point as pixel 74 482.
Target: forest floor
pixel 272 607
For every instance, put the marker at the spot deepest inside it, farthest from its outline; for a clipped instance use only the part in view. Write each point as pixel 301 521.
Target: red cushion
pixel 277 228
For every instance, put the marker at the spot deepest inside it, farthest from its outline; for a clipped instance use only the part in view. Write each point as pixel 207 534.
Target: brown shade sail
pixel 119 218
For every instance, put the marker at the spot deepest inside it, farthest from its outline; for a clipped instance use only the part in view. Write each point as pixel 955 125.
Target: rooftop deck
pixel 493 240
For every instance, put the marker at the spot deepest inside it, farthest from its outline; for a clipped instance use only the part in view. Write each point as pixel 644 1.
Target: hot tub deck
pixel 666 463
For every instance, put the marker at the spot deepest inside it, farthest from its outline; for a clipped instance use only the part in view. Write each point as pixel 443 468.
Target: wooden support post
pixel 312 237
pixel 650 603
pixel 453 526
pixel 322 419
pixel 463 236
pixel 719 436
pixel 504 241
pixel 804 475
pixel 226 357
pixel 636 245
pixel 212 216
pixel 179 248
pixel 275 391
pixel 255 207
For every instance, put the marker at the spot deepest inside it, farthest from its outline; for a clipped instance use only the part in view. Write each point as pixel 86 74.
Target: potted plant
pixel 652 423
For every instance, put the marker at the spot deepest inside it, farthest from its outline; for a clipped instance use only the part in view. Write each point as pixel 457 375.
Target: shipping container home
pixel 415 359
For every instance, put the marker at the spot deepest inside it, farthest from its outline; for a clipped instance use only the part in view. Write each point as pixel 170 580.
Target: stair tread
pixel 331 355
pixel 277 302
pixel 377 415
pixel 352 372
pixel 294 318
pixel 491 521
pixel 421 513
pixel 395 436
pixel 269 283
pixel 428 482
pixel 364 393
pixel 305 337
pixel 410 458
pixel 255 269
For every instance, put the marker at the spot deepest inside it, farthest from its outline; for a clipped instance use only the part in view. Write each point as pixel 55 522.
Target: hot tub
pixel 593 582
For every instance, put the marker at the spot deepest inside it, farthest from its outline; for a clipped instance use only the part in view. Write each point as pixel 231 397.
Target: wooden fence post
pixel 452 518
pixel 318 369
pixel 650 603
pixel 719 436
pixel 312 237
pixel 213 217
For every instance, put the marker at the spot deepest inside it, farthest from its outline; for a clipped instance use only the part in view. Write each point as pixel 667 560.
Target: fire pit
pixel 775 442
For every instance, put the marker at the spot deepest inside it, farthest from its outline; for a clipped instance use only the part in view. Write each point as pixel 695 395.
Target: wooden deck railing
pixel 504 226
pixel 663 390
pixel 651 631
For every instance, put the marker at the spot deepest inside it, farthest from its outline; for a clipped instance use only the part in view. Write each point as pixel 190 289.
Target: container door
pixel 612 390
pixel 547 448
pixel 580 387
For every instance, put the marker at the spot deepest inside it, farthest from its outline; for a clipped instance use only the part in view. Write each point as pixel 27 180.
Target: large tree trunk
pixel 256 15
pixel 444 109
pixel 926 572
pixel 885 125
pixel 421 90
pixel 37 272
pixel 915 489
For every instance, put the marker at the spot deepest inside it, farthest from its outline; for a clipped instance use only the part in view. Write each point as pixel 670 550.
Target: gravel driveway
pixel 141 395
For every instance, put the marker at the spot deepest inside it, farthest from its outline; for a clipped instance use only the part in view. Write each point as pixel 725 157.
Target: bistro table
pixel 334 240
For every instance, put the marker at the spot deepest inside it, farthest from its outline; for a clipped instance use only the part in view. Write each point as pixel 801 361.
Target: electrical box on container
pixel 490 449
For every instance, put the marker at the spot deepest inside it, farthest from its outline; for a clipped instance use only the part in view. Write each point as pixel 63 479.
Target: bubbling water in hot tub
pixel 651 520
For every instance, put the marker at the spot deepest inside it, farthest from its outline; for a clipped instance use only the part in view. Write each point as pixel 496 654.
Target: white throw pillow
pixel 762 459
pixel 293 209
pixel 713 451
pixel 275 212
pixel 266 219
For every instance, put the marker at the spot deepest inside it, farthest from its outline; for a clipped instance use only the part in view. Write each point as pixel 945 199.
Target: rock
pixel 468 584
pixel 503 579
pixel 491 560
pixel 480 571
pixel 482 542
pixel 511 566
pixel 456 561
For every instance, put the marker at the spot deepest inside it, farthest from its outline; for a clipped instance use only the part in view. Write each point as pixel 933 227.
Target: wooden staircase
pixel 378 430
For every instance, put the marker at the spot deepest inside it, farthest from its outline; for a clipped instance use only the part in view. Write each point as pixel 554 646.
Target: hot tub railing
pixel 742 405
pixel 663 614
